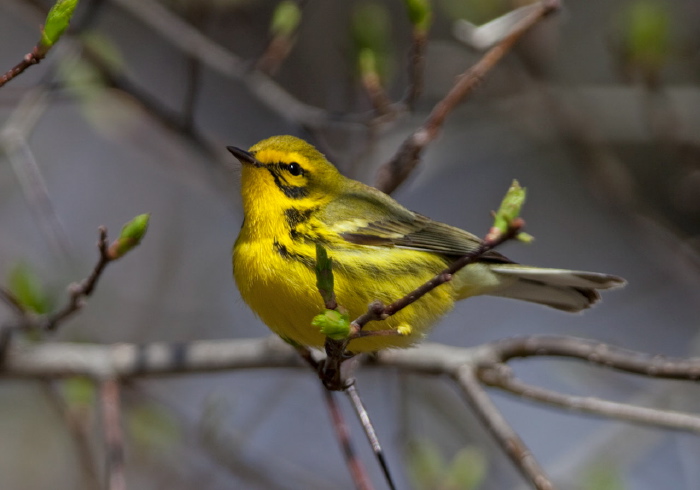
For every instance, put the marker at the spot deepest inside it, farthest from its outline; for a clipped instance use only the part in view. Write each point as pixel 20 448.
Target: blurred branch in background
pixel 470 367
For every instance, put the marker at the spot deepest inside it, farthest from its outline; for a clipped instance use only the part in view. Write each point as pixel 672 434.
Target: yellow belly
pixel 282 291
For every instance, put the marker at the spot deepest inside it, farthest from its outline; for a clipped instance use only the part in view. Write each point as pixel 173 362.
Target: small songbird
pixel 293 198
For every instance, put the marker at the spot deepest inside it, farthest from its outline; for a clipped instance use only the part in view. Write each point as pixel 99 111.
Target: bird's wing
pixel 376 219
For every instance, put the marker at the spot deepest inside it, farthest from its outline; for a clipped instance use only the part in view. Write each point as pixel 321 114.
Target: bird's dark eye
pixel 295 169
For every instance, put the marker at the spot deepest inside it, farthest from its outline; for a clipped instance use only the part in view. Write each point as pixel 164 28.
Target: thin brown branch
pixel 501 376
pixel 357 470
pixel 394 172
pixel 606 355
pixel 11 300
pixel 275 53
pixel 416 66
pixel 368 428
pixel 80 433
pixel 110 407
pixel 35 56
pixel 79 291
pixel 372 84
pixel 499 428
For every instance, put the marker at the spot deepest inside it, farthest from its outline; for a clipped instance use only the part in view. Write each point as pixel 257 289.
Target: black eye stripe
pixel 294 192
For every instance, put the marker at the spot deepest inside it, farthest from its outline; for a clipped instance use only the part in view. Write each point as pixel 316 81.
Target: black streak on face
pixel 293 192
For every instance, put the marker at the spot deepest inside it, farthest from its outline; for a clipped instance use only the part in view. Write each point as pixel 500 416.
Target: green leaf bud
pixel 285 19
pixel 419 13
pixel 333 324
pixel 510 207
pixel 131 235
pixel 57 21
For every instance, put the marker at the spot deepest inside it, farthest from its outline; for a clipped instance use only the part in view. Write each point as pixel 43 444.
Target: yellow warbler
pixel 294 198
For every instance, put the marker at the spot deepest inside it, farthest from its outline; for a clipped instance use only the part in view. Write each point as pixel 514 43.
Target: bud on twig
pixel 131 235
pixel 285 19
pixel 334 324
pixel 507 215
pixel 420 14
pixel 57 21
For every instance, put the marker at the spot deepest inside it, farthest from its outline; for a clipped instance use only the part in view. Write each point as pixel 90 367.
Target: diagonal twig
pixel 600 353
pixel 110 408
pixel 499 428
pixel 363 415
pixel 79 291
pixel 501 376
pixel 416 66
pixel 79 431
pixel 357 469
pixel 394 172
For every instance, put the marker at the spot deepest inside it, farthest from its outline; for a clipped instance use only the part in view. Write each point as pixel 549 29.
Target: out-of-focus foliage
pixel 371 28
pixel 646 37
pixel 26 287
pixel 430 470
pixel 79 392
pixel 602 476
pixel 152 427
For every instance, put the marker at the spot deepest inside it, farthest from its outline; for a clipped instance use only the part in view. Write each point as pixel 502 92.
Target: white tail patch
pixel 558 288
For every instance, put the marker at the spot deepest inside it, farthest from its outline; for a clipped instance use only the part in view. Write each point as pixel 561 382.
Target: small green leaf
pixel 27 289
pixel 333 324
pixel 467 470
pixel 510 207
pixel 425 464
pixel 285 19
pixel 419 13
pixel 131 235
pixel 57 21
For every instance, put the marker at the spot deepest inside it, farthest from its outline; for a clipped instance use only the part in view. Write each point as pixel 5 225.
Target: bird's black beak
pixel 244 156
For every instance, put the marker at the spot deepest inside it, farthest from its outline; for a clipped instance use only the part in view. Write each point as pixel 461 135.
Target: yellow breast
pixel 275 277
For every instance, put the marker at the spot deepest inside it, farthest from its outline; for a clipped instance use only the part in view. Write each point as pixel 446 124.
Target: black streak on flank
pixel 295 217
pixel 293 192
pixel 286 254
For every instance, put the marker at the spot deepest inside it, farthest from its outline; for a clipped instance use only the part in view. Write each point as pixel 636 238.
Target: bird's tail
pixel 562 289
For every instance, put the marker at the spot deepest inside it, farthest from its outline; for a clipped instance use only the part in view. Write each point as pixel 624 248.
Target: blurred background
pixel 596 112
